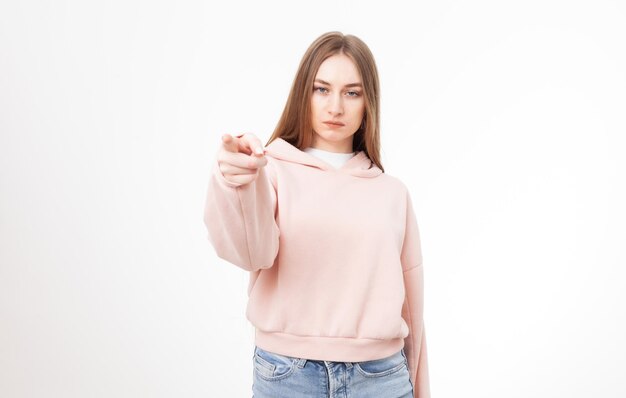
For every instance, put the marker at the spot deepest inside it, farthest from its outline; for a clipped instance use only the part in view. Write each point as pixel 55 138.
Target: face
pixel 338 98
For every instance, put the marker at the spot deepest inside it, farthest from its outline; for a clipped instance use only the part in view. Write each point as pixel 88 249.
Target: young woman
pixel 330 241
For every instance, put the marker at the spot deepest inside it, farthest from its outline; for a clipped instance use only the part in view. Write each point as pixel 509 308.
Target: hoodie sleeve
pixel 413 308
pixel 240 219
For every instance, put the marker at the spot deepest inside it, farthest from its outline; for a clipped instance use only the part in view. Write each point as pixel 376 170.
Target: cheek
pixel 313 103
pixel 315 106
pixel 358 111
pixel 313 117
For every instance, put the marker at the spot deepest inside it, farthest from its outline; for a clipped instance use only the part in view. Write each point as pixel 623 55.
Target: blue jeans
pixel 280 376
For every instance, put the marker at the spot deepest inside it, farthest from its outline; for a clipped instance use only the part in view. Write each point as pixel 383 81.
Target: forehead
pixel 338 69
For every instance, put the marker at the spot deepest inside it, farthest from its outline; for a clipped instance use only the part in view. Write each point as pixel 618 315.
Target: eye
pixel 353 93
pixel 322 90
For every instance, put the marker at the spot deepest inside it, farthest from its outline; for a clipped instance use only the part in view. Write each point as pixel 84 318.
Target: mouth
pixel 333 124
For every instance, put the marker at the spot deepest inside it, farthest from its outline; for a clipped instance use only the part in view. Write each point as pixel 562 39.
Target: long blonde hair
pixel 295 126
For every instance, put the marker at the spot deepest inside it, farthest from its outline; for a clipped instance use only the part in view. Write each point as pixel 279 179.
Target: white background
pixel 505 119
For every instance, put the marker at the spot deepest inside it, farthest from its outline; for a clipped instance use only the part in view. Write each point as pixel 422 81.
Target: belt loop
pixel 300 362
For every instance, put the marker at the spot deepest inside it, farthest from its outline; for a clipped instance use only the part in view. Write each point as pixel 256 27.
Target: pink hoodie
pixel 333 255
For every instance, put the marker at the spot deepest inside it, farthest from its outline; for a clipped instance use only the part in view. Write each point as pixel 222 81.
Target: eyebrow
pixel 347 85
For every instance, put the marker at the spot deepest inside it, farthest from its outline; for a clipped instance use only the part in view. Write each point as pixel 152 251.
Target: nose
pixel 335 105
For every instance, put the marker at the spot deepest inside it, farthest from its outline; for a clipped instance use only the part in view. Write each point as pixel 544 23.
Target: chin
pixel 332 135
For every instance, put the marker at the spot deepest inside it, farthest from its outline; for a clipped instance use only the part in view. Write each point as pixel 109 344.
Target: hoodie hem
pixel 337 349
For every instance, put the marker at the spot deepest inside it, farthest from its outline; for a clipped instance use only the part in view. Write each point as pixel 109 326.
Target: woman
pixel 330 241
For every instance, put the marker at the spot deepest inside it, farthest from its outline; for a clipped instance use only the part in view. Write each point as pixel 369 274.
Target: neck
pixel 344 146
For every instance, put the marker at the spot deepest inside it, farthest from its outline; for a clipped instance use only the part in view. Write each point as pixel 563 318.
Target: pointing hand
pixel 240 157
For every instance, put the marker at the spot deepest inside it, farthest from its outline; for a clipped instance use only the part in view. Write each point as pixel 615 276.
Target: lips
pixel 333 123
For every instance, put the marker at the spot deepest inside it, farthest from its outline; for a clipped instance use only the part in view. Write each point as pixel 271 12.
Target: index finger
pixel 229 143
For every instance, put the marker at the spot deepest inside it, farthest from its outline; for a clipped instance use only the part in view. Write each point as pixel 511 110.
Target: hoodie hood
pixel 359 165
